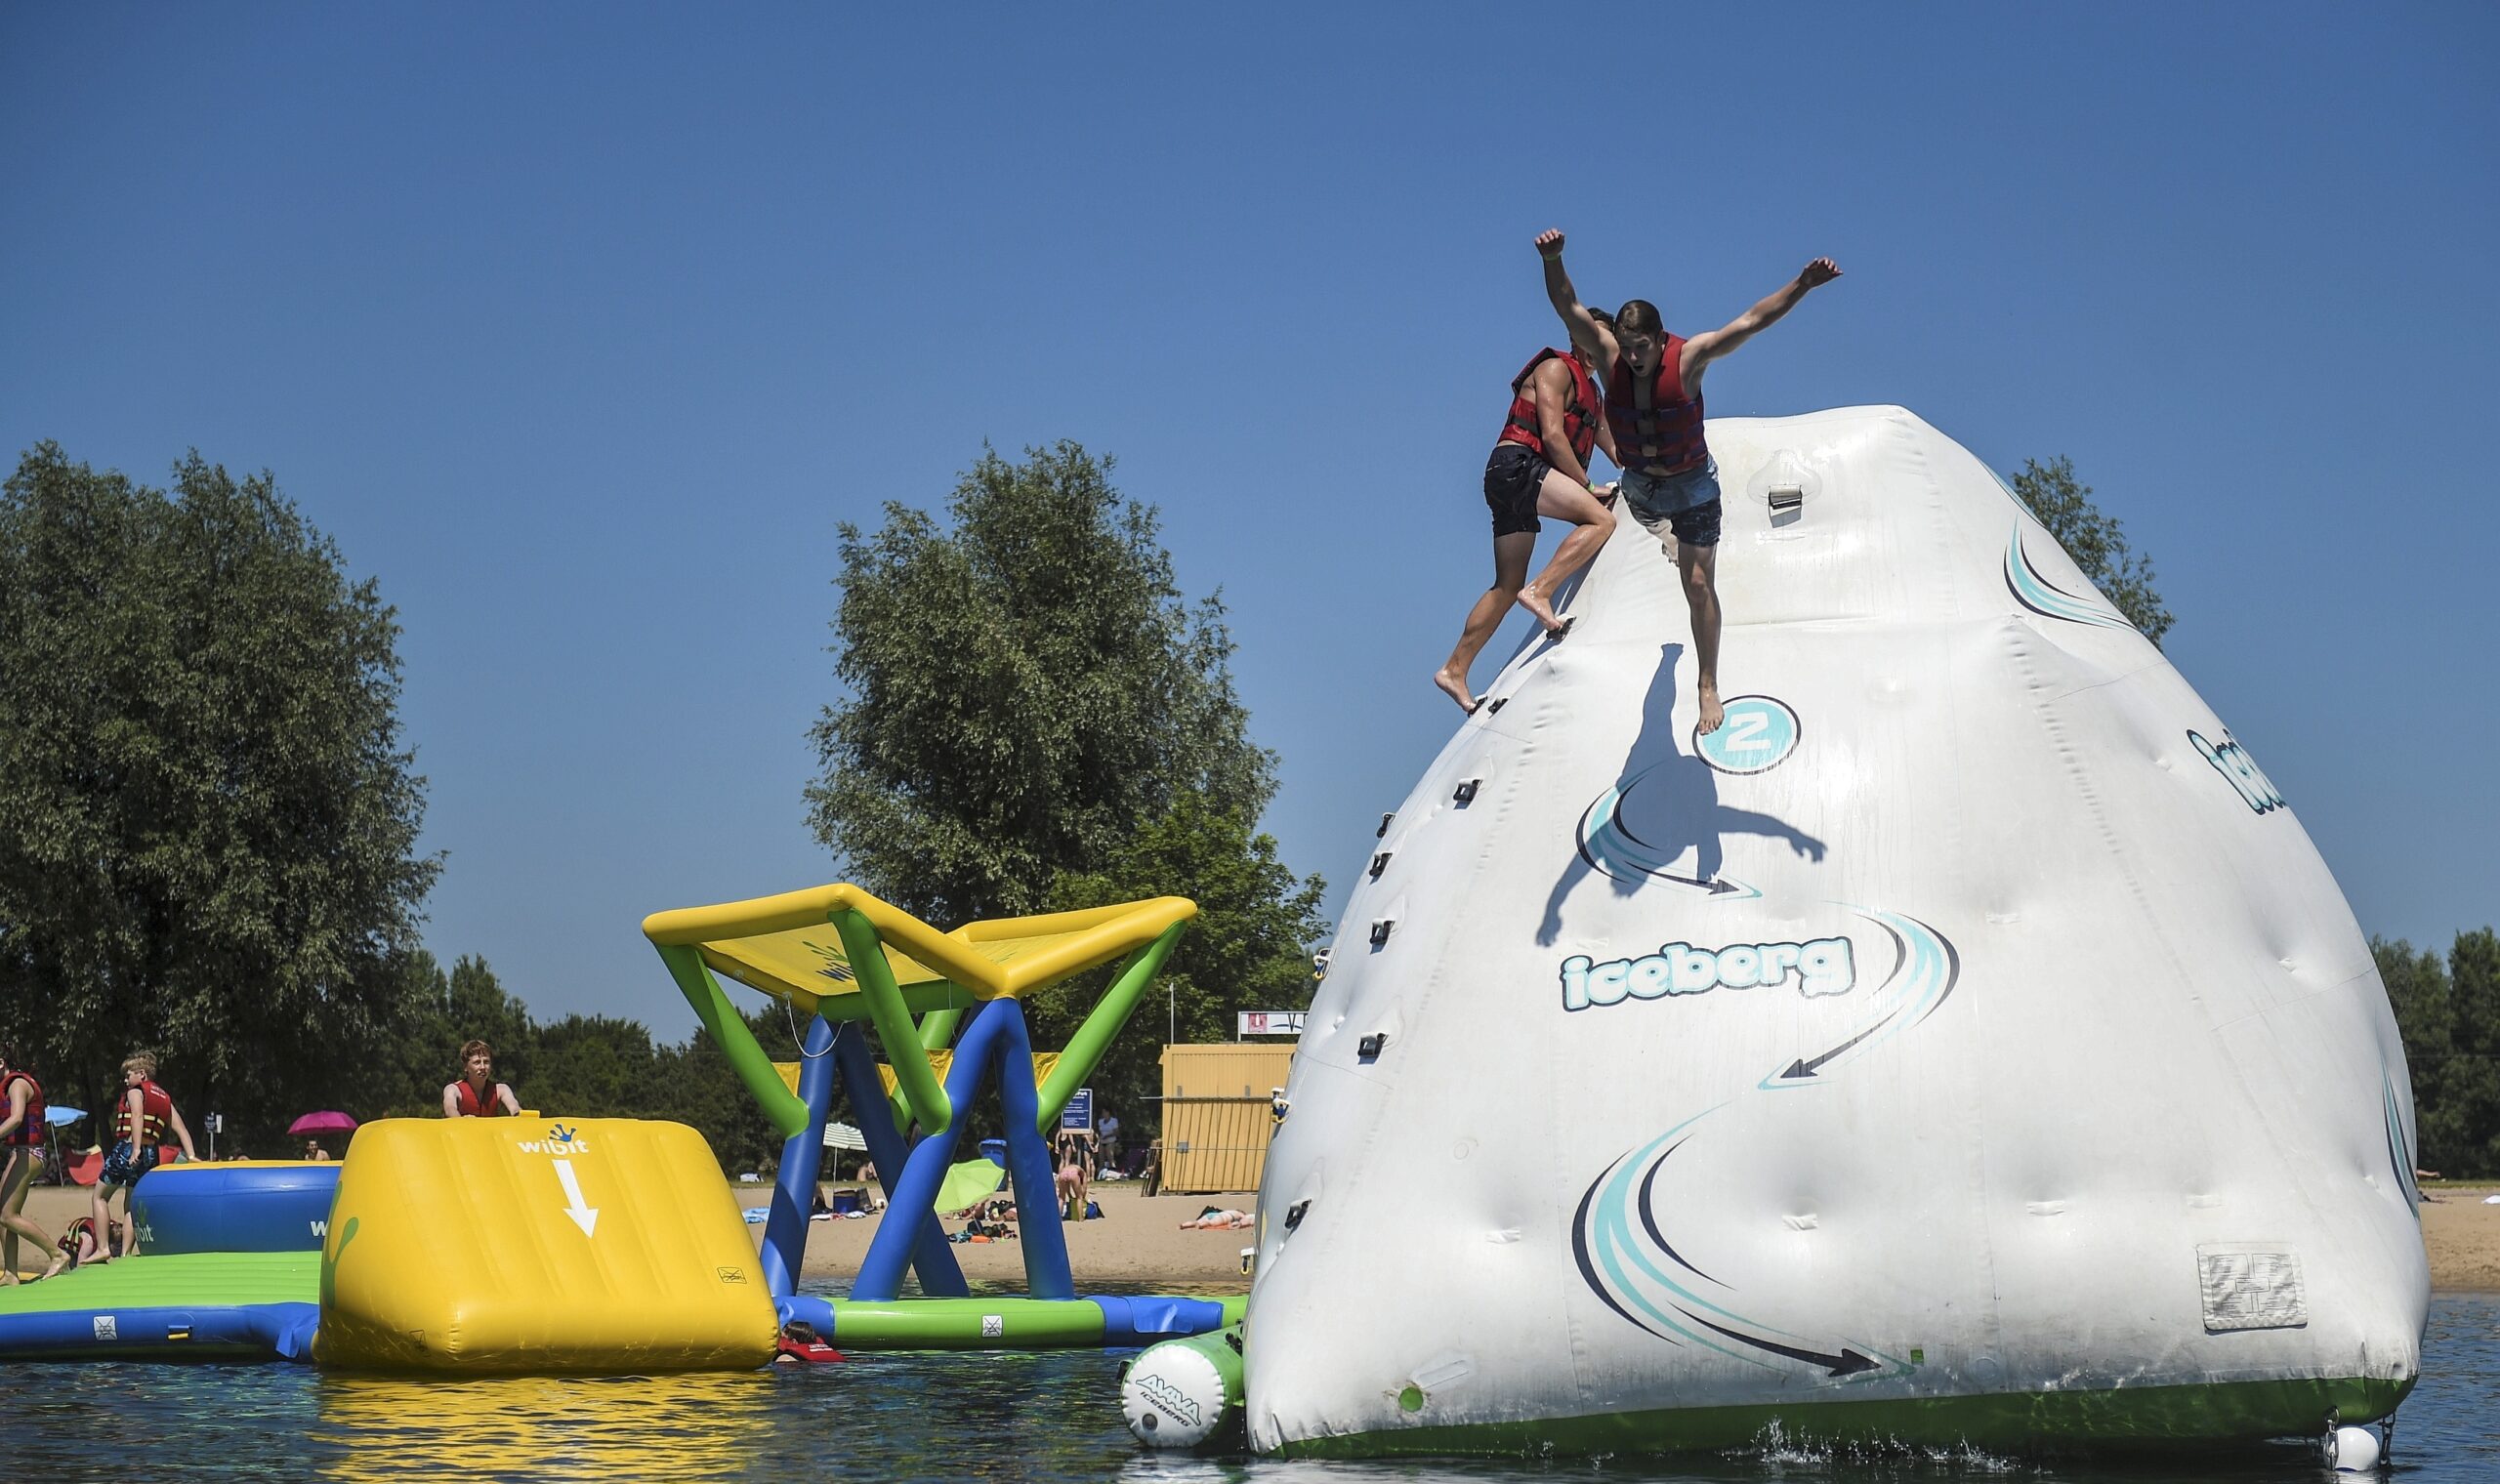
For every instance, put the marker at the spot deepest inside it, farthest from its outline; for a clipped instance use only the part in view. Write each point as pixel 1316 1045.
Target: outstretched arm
pixel 1703 349
pixel 1587 334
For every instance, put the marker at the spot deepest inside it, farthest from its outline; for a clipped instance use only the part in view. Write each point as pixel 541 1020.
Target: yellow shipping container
pixel 1217 1117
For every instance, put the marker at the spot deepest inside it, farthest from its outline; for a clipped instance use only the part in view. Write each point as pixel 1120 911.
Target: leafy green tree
pixel 2095 542
pixel 1025 689
pixel 2417 989
pixel 2448 1012
pixel 2471 1090
pixel 1038 718
pixel 212 821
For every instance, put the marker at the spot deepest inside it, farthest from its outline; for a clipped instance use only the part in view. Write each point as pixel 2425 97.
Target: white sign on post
pixel 1270 1022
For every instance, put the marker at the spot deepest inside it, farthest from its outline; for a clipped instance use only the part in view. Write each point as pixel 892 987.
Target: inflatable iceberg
pixel 1965 1044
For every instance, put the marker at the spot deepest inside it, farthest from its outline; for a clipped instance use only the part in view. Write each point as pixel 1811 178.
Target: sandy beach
pixel 1139 1241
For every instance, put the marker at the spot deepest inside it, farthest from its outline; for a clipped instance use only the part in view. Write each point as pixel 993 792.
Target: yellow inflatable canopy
pixel 786 947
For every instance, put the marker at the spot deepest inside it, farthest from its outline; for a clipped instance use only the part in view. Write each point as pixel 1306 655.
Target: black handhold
pixel 1383 832
pixel 1368 1050
pixel 1294 1214
pixel 1497 703
pixel 1379 863
pixel 1466 794
pixel 1380 930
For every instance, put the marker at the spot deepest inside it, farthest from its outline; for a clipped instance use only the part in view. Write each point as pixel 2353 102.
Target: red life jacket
pixel 155 1112
pixel 1665 438
pixel 29 1129
pixel 474 1106
pixel 1579 415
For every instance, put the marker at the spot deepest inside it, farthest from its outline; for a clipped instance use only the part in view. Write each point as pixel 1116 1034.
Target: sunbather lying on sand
pixel 1213 1220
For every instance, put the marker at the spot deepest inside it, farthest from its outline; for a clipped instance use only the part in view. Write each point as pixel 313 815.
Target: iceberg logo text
pixel 1822 966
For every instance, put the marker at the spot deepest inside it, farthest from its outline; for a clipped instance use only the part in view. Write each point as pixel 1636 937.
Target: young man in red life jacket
pixel 1540 467
pixel 477 1095
pixel 1653 384
pixel 22 1129
pixel 139 1123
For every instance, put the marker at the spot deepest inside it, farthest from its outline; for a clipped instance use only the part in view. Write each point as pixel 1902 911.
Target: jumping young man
pixel 1539 467
pixel 1653 384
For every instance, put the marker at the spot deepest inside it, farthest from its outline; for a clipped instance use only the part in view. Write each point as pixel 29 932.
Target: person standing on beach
pixel 22 1129
pixel 1653 406
pixel 1539 467
pixel 477 1095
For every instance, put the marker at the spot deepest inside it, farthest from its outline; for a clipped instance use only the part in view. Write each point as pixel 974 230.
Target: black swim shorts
pixel 1513 475
pixel 1698 526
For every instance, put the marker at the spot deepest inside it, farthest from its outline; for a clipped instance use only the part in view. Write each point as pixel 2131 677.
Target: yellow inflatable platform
pixel 534 1244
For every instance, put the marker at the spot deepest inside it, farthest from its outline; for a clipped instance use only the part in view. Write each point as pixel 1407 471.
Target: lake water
pixel 955 1418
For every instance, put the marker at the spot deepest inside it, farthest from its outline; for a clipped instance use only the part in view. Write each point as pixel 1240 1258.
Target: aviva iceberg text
pixel 1822 966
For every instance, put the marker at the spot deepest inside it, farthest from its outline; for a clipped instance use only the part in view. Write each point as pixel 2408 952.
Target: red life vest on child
pixel 1579 415
pixel 1665 438
pixel 474 1106
pixel 155 1112
pixel 29 1129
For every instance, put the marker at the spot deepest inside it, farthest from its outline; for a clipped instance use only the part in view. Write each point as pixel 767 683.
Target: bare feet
pixel 1543 613
pixel 1455 687
pixel 1711 712
pixel 59 1261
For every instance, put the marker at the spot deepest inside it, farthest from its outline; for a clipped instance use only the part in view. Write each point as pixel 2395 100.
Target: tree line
pixel 212 815
pixel 2448 1010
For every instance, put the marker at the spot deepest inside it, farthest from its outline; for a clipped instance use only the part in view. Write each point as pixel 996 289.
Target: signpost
pixel 1270 1022
pixel 1079 1112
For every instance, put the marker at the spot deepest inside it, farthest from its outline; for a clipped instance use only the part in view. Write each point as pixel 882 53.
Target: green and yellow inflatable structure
pixel 540 1244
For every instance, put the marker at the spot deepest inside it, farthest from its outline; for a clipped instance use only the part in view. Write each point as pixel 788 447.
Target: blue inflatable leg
pixel 940 1277
pixel 1028 1162
pixel 785 1230
pixel 915 1195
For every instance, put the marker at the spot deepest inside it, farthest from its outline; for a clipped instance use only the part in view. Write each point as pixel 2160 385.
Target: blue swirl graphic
pixel 2035 592
pixel 2399 1153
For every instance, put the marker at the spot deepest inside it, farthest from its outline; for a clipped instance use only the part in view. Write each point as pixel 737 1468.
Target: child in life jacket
pixel 477 1095
pixel 22 1129
pixel 78 1244
pixel 145 1115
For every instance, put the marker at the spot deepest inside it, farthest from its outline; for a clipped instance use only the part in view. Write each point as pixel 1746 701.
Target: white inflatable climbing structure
pixel 1965 1044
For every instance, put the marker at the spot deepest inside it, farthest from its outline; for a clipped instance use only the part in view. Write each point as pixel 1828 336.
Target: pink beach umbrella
pixel 312 1124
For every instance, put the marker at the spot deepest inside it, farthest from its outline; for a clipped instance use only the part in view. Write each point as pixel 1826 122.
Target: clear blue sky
pixel 581 327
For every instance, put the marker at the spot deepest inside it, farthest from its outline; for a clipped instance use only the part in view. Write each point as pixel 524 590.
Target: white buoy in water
pixel 2354 1450
pixel 1182 1394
